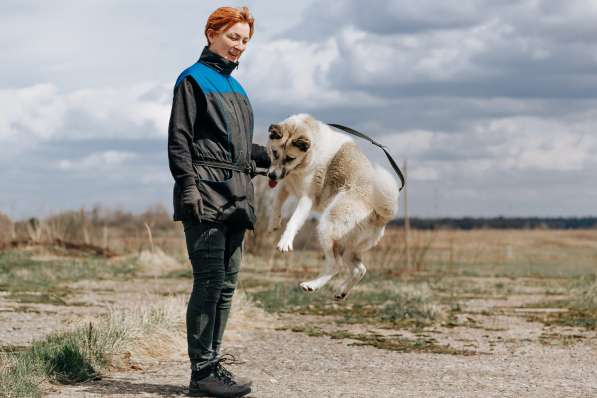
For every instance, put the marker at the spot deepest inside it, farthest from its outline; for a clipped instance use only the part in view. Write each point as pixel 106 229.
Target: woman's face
pixel 231 43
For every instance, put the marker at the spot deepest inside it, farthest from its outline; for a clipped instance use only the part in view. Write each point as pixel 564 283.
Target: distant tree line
pixel 501 223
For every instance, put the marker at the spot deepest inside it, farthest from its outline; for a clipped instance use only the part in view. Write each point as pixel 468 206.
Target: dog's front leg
pixel 298 218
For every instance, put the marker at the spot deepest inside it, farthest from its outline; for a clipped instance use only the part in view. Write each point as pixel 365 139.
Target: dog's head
pixel 290 146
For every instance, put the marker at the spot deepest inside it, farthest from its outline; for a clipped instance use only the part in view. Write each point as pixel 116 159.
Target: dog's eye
pixel 275 153
pixel 289 159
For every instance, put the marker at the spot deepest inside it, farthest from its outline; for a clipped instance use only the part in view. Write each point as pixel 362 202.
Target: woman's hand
pixel 192 204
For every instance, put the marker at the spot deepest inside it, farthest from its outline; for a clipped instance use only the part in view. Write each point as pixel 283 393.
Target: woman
pixel 212 159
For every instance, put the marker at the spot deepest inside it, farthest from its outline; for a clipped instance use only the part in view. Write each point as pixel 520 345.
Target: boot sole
pixel 201 393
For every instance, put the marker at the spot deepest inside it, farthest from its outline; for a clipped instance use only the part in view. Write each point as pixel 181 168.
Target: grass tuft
pixel 414 303
pixel 64 358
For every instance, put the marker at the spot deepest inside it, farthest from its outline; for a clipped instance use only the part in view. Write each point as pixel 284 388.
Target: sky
pixel 492 103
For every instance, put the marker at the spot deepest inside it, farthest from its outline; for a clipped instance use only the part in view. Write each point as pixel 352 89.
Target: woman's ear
pixel 210 36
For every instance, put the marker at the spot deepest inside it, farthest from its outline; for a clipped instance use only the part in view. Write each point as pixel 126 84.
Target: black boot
pixel 217 383
pixel 243 381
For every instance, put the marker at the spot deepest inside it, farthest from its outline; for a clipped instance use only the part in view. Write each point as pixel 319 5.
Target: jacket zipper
pixel 240 137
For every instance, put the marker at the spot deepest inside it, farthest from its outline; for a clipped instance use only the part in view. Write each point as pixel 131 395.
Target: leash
pixel 219 164
pixel 371 140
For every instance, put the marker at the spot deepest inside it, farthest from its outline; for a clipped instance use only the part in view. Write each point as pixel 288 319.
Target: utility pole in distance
pixel 406 221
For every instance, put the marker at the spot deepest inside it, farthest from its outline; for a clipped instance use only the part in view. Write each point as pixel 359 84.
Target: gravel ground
pixel 511 361
pixel 287 364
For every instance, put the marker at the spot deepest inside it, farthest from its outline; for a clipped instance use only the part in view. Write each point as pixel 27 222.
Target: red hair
pixel 225 17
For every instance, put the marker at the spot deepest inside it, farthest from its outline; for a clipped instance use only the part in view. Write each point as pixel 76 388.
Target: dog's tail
pixel 386 193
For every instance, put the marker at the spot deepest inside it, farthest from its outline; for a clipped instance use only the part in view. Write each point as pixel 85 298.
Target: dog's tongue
pixel 272 183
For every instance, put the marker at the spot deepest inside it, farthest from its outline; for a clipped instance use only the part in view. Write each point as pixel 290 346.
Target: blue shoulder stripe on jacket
pixel 210 80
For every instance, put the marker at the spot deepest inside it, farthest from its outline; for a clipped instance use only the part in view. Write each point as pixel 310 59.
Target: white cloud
pixel 376 59
pixel 42 112
pixel 37 110
pixel 294 73
pixel 409 143
pixel 96 161
pixel 530 143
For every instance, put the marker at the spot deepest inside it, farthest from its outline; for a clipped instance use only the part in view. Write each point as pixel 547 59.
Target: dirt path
pixel 287 364
pixel 511 357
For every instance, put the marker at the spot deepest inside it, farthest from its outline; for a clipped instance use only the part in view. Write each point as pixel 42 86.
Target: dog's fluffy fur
pixel 326 171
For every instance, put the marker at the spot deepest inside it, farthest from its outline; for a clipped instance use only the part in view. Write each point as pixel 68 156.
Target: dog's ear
pixel 274 132
pixel 302 143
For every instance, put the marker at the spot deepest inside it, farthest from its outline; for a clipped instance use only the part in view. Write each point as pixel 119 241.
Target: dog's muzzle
pixel 272 179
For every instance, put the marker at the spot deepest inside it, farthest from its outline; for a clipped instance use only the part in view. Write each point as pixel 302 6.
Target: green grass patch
pixel 391 343
pixel 582 306
pixel 21 273
pixel 282 297
pixel 403 305
pixel 64 358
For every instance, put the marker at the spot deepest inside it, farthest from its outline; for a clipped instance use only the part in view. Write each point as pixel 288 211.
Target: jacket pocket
pixel 228 200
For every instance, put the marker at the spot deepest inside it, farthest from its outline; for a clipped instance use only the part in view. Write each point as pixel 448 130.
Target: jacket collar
pixel 217 62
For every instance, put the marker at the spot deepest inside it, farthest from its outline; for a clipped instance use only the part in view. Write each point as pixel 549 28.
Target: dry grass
pixel 7 231
pixel 118 231
pixel 151 331
pixel 156 263
pixel 509 252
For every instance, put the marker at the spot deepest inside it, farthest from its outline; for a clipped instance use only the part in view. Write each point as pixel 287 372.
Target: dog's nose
pixel 272 175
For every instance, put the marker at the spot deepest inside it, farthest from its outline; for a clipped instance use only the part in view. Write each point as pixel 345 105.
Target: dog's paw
pixel 307 287
pixel 339 296
pixel 341 292
pixel 285 244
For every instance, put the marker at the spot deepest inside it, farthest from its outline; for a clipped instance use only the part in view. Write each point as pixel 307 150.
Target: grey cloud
pixel 525 49
pixel 383 17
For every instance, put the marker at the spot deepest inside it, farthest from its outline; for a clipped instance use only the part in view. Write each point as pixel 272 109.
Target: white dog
pixel 326 171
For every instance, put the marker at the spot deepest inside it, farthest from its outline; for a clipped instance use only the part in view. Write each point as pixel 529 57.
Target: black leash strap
pixel 371 140
pixel 223 165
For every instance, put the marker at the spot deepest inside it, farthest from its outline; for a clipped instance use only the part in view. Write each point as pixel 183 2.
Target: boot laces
pixel 221 372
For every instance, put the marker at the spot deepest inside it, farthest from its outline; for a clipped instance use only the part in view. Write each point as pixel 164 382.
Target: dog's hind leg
pixel 333 256
pixel 356 272
pixel 353 258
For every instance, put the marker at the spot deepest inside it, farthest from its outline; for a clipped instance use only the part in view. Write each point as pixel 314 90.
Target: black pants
pixel 215 251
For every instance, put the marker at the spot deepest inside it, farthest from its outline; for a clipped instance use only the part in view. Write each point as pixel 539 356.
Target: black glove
pixel 260 156
pixel 192 204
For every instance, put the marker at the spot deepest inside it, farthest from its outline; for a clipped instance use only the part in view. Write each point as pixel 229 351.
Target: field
pixel 93 304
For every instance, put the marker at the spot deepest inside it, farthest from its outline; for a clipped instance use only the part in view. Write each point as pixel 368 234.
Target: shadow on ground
pixel 110 386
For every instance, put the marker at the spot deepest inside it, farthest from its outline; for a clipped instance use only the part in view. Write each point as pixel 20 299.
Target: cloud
pixel 384 17
pixel 108 160
pixel 522 49
pixel 43 112
pixel 292 74
pixel 36 110
pixel 538 144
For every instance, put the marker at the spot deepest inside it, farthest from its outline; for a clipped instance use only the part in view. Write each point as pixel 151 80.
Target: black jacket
pixel 210 141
